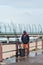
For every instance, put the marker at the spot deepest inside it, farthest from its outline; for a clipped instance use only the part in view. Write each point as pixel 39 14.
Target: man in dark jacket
pixel 25 41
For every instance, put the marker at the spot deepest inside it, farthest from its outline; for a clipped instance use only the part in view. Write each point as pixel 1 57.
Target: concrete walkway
pixel 36 60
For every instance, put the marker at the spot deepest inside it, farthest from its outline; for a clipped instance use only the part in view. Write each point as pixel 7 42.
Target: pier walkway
pixel 30 60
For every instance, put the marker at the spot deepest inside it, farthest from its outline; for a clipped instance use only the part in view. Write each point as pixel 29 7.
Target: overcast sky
pixel 21 11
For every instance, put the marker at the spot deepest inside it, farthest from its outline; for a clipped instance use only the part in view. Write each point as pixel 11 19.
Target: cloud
pixel 21 15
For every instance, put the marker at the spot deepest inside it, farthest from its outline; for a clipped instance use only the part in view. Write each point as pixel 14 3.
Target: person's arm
pixel 22 38
pixel 28 38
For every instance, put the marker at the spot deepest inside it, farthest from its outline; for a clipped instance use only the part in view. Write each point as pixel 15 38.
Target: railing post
pixel 42 44
pixel 17 48
pixel 36 47
pixel 0 52
pixel 16 51
pixel 28 45
pixel 7 39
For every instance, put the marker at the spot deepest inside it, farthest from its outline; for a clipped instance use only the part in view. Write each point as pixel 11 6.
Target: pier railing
pixel 9 50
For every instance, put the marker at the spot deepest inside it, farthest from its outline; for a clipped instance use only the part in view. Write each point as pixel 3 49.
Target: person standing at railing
pixel 25 41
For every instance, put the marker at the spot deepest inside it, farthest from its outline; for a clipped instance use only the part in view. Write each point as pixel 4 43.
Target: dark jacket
pixel 25 39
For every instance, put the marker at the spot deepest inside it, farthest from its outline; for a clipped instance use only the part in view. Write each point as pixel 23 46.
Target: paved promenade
pixel 35 60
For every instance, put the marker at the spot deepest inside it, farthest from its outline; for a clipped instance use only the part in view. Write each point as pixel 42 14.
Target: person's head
pixel 24 32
